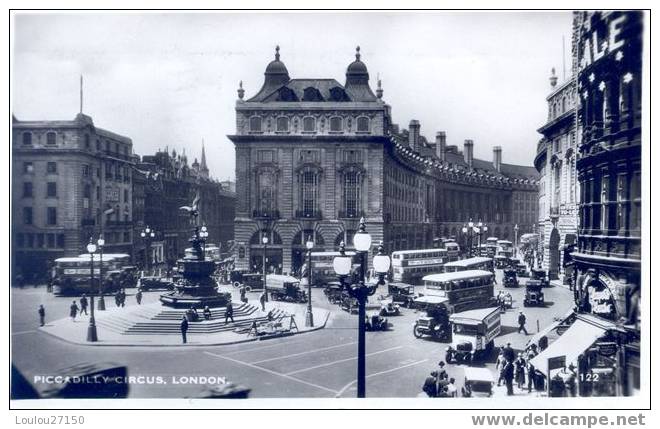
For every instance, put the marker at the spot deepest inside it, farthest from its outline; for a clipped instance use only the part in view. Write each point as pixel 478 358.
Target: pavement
pixel 320 363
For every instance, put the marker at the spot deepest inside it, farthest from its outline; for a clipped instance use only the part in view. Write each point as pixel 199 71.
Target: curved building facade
pixel 313 156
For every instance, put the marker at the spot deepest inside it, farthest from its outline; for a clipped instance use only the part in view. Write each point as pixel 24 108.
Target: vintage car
pixel 253 281
pixel 153 282
pixel 501 261
pixel 285 288
pixel 473 334
pixel 375 322
pixel 478 383
pixel 402 294
pixel 542 276
pixel 510 278
pixel 534 293
pixel 521 270
pixel 435 321
pixel 333 291
pixel 389 308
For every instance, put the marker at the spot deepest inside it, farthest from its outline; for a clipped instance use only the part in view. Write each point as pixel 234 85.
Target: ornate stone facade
pixel 314 156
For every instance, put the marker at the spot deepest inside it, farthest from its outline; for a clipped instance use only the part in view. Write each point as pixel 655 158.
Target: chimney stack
pixel 497 158
pixel 440 145
pixel 413 134
pixel 468 151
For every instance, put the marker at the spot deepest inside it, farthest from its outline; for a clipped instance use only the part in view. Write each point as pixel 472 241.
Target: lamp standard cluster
pixel 264 240
pixel 204 234
pixel 309 317
pixel 147 235
pixel 472 229
pixel 92 335
pixel 342 265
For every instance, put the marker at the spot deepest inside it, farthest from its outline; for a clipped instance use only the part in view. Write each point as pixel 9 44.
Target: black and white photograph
pixel 329 205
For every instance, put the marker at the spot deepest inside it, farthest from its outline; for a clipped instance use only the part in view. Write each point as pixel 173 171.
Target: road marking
pixel 341 360
pixel 343 389
pixel 256 349
pixel 287 376
pixel 305 352
pixel 23 332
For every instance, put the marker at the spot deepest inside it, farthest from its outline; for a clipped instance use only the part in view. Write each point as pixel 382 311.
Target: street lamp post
pixel 148 235
pixel 480 229
pixel 469 230
pixel 515 240
pixel 342 265
pixel 204 234
pixel 91 329
pixel 264 240
pixel 309 317
pixel 101 242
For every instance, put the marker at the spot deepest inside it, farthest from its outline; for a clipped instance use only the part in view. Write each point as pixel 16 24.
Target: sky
pixel 170 80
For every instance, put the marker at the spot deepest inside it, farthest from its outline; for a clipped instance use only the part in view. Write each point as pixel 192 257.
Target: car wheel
pixel 417 333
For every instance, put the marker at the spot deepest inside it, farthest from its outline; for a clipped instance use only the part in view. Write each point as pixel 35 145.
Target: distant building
pixel 559 189
pixel 313 156
pixel 70 181
pixel 170 183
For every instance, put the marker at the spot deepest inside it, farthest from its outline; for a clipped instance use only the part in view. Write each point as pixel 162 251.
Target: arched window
pixel 309 124
pixel 27 138
pixel 51 138
pixel 282 124
pixel 336 124
pixel 363 124
pixel 255 124
pixel 87 144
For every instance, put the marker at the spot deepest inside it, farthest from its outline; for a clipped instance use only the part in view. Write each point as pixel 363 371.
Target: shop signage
pixel 604 43
pixel 607 348
pixel 556 362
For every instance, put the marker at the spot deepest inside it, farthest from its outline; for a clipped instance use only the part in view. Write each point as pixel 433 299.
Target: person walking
pixel 442 373
pixel 262 300
pixel 452 390
pixel 508 352
pixel 508 377
pixel 118 298
pixel 229 312
pixel 83 304
pixel 430 386
pixel 122 297
pixel 73 311
pixel 184 329
pixel 499 366
pixel 520 371
pixel 42 315
pixel 242 292
pixel 522 319
pixel 138 296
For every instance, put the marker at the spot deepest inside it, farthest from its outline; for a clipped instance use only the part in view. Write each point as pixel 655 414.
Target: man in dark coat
pixel 83 304
pixel 42 315
pixel 262 300
pixel 229 312
pixel 73 311
pixel 508 377
pixel 184 329
pixel 508 352
pixel 431 385
pixel 138 296
pixel 522 319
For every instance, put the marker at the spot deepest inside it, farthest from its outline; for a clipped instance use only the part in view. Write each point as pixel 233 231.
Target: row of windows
pixel 51 140
pixel 51 167
pixel 39 241
pixel 51 216
pixel 310 124
pixel 51 190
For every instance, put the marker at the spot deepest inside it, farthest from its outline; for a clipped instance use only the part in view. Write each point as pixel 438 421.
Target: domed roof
pixel 357 67
pixel 276 67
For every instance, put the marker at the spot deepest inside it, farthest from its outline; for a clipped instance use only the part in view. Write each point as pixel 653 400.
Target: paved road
pixel 315 364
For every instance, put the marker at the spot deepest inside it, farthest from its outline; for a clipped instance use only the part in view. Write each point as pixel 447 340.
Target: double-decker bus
pixel 323 271
pixel 211 252
pixel 464 290
pixel 453 250
pixel 409 266
pixel 476 263
pixel 72 275
pixel 505 248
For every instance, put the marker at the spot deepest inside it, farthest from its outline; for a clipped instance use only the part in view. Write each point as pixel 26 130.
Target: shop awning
pixel 578 338
pixel 551 327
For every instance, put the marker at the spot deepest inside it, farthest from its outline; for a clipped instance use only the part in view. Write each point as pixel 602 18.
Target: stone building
pixel 70 180
pixel 558 189
pixel 169 183
pixel 313 156
pixel 609 169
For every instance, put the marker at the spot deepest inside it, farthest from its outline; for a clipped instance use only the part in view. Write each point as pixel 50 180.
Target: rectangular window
pixel 308 193
pixel 40 241
pixel 51 138
pixel 635 203
pixel 363 125
pixel 265 156
pixel 125 195
pixel 352 194
pixel 27 215
pixel 51 189
pixel 28 167
pixel 27 138
pixel 309 124
pixel 282 124
pixel 60 241
pixel 85 170
pixel 27 190
pixel 255 124
pixel 51 241
pixel 51 215
pixel 127 237
pixel 51 167
pixel 335 124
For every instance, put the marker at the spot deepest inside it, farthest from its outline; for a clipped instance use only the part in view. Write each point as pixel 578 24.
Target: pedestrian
pixel 138 296
pixel 508 377
pixel 452 390
pixel 207 313
pixel 242 291
pixel 73 311
pixel 42 315
pixel 262 300
pixel 229 312
pixel 520 371
pixel 83 304
pixel 430 386
pixel 521 323
pixel 122 297
pixel 184 329
pixel 118 298
pixel 499 365
pixel 509 354
pixel 442 373
pixel 531 376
